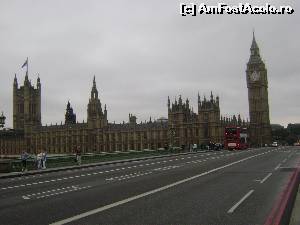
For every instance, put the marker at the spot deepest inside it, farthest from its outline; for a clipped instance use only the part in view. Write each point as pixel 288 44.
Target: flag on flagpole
pixel 25 63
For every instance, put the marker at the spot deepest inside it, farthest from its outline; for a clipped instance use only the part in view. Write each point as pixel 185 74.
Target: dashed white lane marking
pixel 231 210
pixel 133 176
pixel 127 176
pixel 103 208
pixel 278 166
pixel 28 196
pixel 95 173
pixel 123 168
pixel 265 178
pixel 284 160
pixel 137 174
pixel 165 168
pixel 63 192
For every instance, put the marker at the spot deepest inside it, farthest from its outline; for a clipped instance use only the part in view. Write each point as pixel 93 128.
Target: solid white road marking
pixel 277 167
pixel 112 205
pixel 231 210
pixel 284 160
pixel 263 180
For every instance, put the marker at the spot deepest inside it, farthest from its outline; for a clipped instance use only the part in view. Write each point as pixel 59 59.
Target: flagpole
pixel 27 67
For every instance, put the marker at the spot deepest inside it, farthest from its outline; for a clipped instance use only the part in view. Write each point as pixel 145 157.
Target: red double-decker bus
pixel 236 138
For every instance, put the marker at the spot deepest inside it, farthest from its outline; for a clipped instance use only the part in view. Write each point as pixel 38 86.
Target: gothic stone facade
pixel 257 83
pixel 182 128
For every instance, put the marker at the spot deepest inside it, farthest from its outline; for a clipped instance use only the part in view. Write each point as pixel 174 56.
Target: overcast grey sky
pixel 143 51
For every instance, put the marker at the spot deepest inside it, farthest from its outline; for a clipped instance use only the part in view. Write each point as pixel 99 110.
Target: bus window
pixel 230 131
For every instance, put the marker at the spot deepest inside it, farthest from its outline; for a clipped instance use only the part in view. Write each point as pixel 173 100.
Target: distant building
pixel 275 127
pixel 294 128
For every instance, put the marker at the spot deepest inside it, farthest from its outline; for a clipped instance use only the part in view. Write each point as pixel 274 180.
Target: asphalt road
pixel 222 187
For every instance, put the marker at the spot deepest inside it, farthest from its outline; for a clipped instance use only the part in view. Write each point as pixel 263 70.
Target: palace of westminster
pixel 182 128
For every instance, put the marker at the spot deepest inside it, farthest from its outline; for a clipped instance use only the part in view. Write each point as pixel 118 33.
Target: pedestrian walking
pixel 78 155
pixel 24 157
pixel 44 159
pixel 39 160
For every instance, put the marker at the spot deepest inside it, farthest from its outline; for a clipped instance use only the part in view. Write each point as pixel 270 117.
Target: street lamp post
pixel 2 120
pixel 172 135
pixel 2 123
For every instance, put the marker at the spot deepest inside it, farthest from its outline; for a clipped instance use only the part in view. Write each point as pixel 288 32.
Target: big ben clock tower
pixel 257 84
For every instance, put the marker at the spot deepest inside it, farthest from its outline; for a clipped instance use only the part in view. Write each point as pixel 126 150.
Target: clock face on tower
pixel 254 76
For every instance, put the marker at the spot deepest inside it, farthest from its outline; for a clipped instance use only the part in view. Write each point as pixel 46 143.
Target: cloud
pixel 141 52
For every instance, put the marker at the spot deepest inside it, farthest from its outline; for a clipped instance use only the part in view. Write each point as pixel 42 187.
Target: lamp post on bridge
pixel 172 135
pixel 2 121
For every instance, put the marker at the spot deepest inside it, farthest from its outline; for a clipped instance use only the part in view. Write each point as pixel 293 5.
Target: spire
pixel 38 82
pixel 239 120
pixel 254 44
pixel 180 100
pixel 105 111
pixel 68 105
pixel 94 82
pixel 211 96
pixel 15 81
pixel 70 116
pixel 94 92
pixel 254 49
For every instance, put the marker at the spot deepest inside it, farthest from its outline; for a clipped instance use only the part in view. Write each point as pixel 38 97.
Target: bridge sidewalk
pixel 295 218
pixel 57 169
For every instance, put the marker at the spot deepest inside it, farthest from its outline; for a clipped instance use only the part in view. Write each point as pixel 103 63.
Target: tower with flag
pixel 26 103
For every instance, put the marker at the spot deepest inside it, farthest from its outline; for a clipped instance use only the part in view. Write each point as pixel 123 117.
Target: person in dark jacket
pixel 24 157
